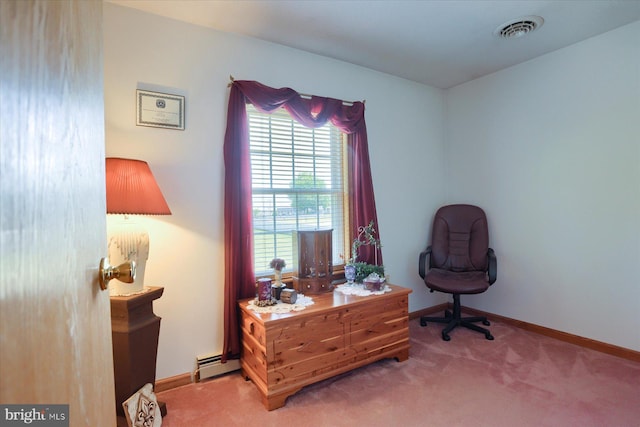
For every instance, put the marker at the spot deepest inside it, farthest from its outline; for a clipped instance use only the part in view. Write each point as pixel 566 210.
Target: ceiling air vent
pixel 519 27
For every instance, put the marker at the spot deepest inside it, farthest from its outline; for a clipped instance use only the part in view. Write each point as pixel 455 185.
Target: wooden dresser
pixel 281 353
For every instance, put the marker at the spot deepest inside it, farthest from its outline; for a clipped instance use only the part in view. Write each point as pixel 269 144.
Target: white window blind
pixel 298 183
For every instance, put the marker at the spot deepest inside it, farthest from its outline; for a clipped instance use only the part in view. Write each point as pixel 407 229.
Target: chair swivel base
pixel 455 319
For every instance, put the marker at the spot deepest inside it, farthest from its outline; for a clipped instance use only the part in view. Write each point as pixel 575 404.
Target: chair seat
pixel 467 282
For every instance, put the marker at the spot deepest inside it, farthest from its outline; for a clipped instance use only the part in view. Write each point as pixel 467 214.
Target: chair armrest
pixel 493 266
pixel 422 261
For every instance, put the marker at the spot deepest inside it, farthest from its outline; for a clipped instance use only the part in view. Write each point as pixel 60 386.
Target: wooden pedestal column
pixel 135 329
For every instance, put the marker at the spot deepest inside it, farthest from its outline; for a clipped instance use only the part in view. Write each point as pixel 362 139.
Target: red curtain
pixel 313 112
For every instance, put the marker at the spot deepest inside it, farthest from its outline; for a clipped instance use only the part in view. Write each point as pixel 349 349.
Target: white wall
pixel 551 149
pixel 405 128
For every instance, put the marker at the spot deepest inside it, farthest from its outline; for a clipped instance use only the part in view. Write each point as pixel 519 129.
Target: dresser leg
pixel 277 401
pixel 402 356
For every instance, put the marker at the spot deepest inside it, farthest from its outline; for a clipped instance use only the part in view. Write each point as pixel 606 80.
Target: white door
pixel 55 330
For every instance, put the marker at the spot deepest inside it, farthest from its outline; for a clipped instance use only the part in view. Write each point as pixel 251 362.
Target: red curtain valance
pixel 312 112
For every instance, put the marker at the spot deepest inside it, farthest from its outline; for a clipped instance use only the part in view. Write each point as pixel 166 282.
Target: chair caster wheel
pixel 448 314
pixel 423 322
pixel 488 336
pixel 446 337
pixel 486 323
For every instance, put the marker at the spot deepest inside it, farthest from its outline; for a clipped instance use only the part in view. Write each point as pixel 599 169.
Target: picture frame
pixel 161 110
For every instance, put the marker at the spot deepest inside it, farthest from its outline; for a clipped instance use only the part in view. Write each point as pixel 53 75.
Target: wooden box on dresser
pixel 281 353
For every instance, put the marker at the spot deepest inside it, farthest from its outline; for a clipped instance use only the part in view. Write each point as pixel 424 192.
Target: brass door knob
pixel 125 272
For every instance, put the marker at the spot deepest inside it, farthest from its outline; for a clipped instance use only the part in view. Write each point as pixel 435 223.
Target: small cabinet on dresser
pixel 314 262
pixel 281 353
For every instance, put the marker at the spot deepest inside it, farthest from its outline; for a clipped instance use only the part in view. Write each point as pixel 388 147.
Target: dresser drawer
pixel 312 286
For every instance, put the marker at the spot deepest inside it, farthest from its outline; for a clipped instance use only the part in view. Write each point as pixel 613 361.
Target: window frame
pixel 341 241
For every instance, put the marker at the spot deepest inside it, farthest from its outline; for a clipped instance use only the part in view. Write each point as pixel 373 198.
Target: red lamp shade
pixel 132 189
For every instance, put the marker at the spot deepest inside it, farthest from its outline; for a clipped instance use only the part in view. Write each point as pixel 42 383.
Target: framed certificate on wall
pixel 160 110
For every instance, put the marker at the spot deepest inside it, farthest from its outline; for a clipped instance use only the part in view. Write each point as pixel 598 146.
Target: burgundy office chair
pixel 460 262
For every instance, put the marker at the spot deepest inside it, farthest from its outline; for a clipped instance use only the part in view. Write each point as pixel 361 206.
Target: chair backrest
pixel 460 239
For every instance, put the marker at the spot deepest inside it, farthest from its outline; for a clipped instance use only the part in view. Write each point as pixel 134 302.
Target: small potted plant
pixel 360 270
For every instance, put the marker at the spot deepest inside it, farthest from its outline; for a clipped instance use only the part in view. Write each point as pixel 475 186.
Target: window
pixel 298 183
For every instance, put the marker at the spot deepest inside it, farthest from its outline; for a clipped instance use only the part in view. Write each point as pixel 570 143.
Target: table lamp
pixel 131 190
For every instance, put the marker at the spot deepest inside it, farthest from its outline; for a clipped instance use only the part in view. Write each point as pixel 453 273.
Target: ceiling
pixel 441 43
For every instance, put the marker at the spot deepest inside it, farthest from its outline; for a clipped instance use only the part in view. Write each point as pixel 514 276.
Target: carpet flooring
pixel 519 379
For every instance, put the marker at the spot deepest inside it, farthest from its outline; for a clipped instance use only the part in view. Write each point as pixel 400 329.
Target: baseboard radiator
pixel 211 365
